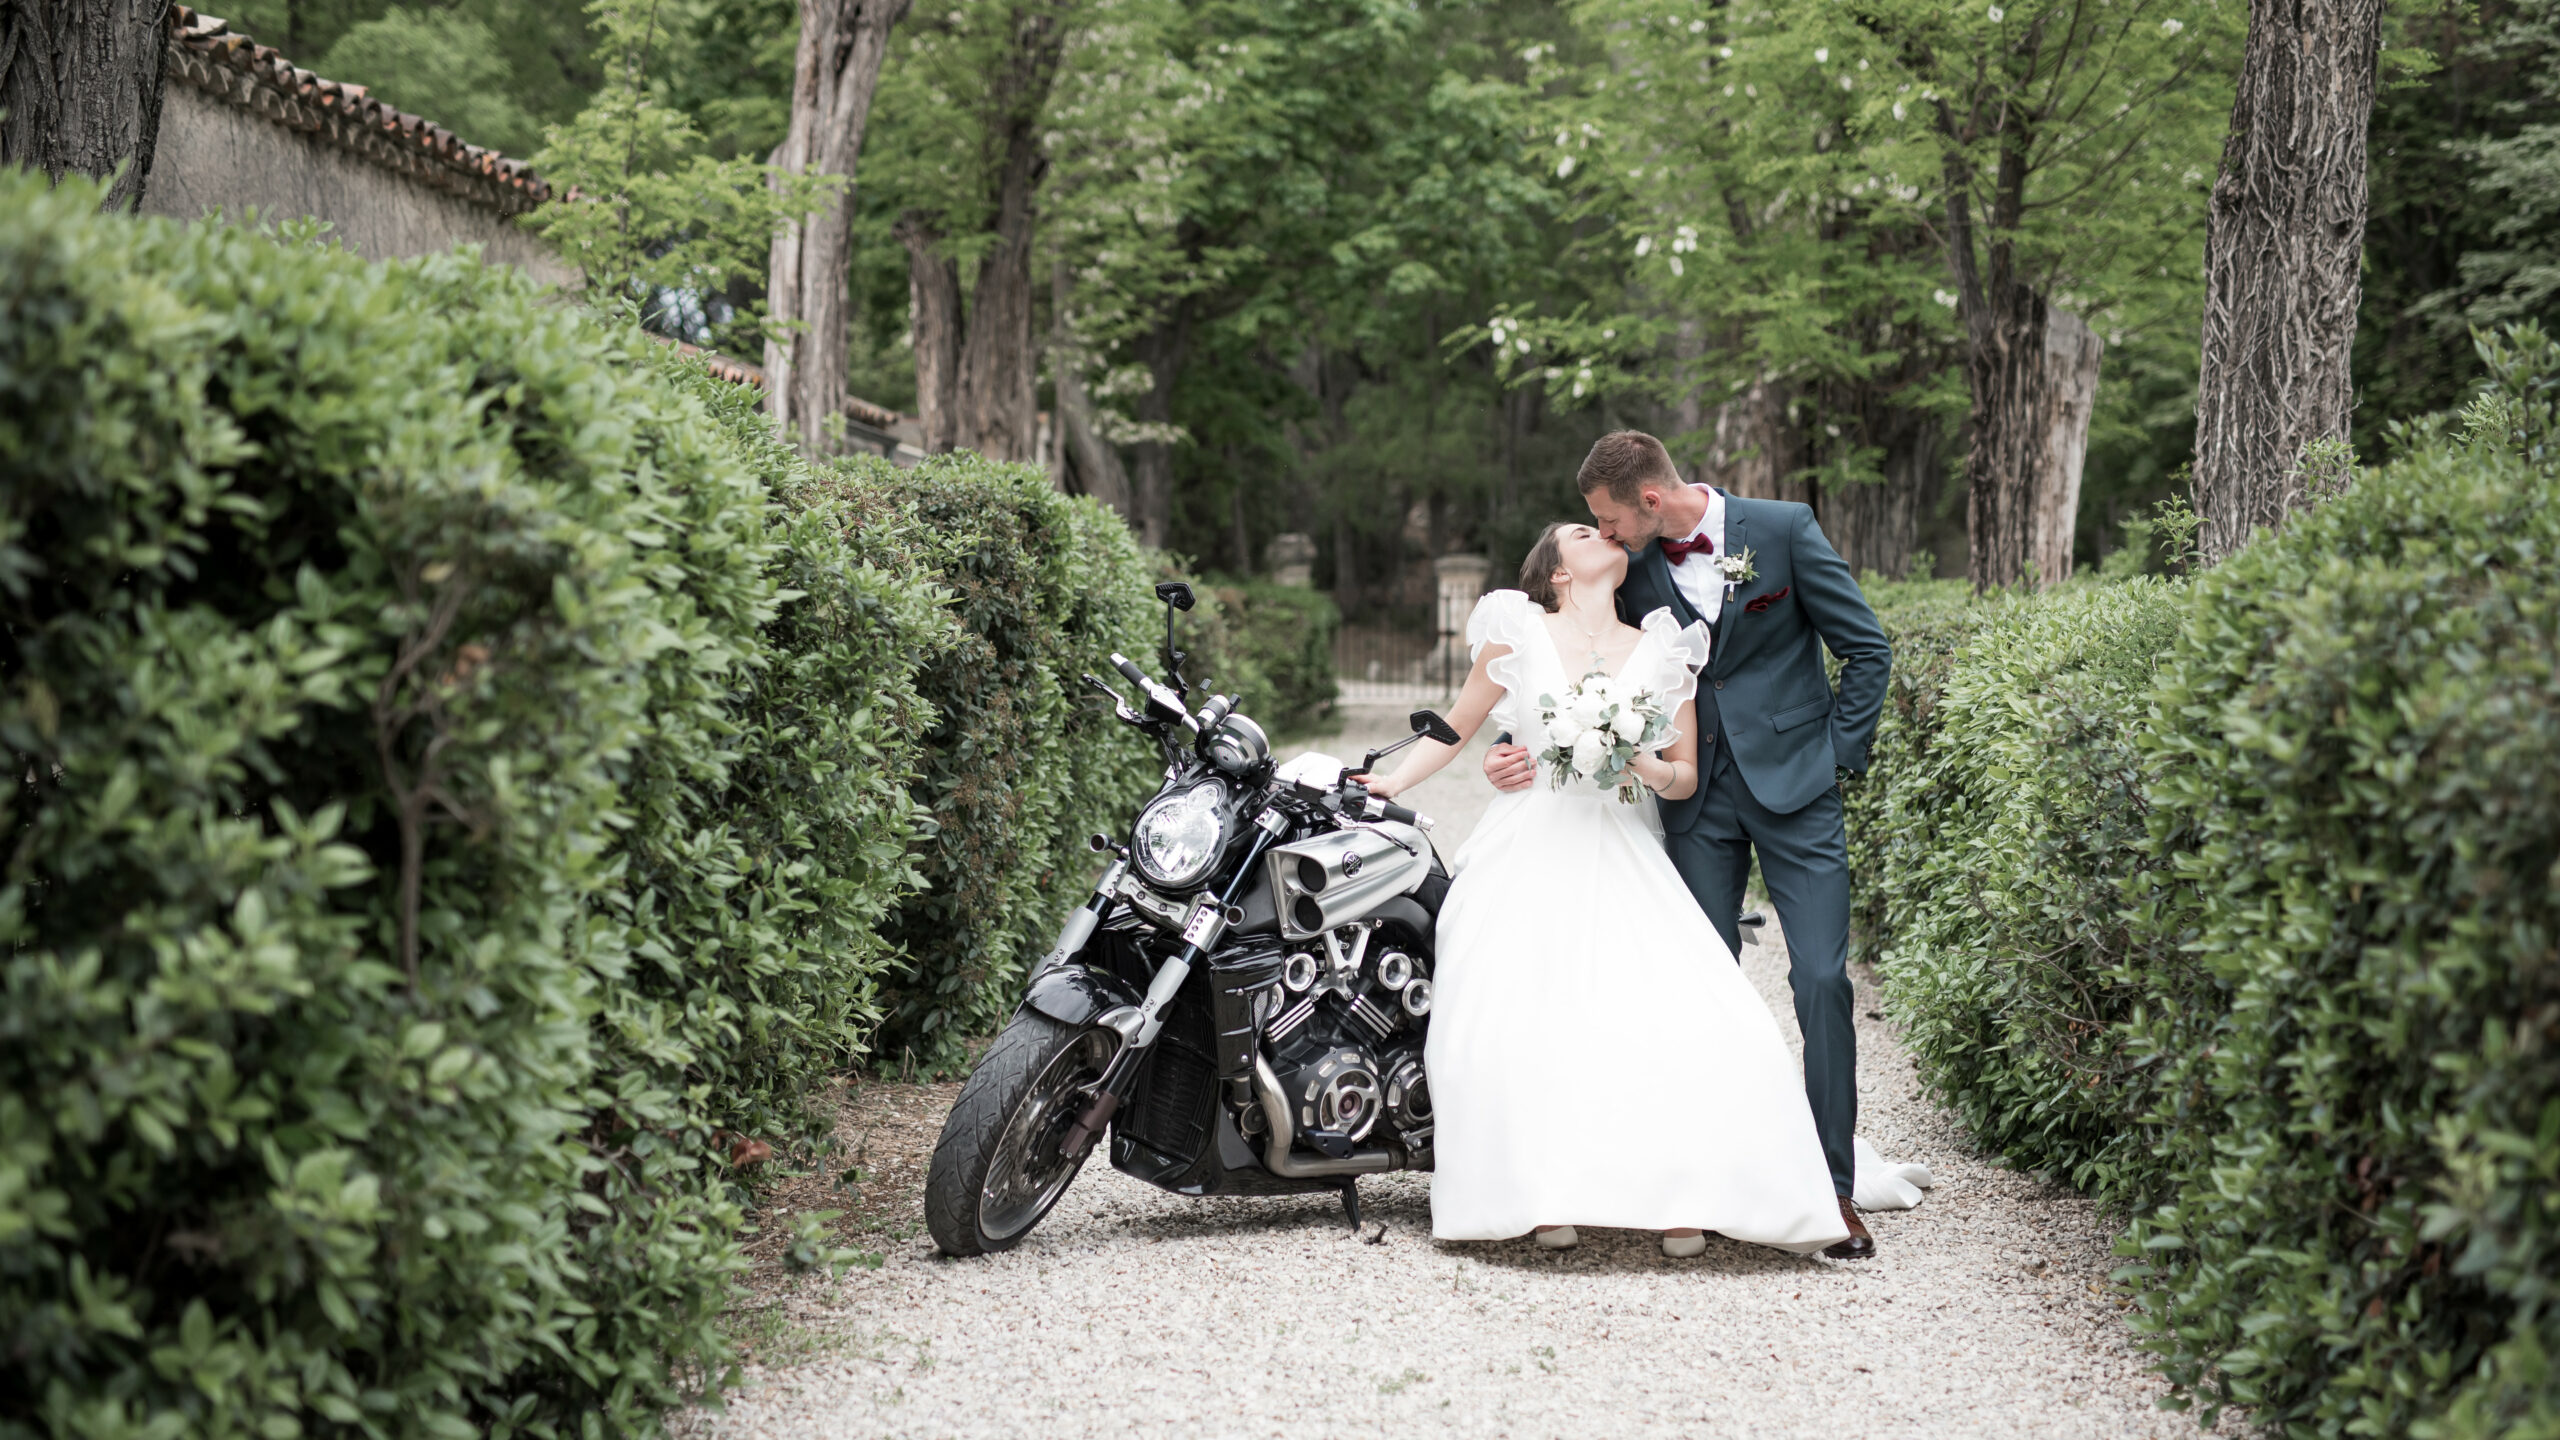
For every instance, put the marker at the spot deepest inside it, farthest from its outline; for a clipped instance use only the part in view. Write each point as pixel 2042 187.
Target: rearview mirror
pixel 1428 722
pixel 1176 596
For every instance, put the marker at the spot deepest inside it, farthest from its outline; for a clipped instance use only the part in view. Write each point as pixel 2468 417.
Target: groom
pixel 1773 593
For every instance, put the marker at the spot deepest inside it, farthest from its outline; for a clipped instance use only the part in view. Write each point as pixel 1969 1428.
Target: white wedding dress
pixel 1596 1056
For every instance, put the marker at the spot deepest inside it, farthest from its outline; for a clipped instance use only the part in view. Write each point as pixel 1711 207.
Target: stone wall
pixel 216 155
pixel 241 126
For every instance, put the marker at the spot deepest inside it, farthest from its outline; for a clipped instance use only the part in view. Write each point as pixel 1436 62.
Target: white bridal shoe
pixel 1558 1237
pixel 1684 1247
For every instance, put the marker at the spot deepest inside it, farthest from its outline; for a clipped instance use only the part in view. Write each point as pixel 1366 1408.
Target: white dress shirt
pixel 1699 577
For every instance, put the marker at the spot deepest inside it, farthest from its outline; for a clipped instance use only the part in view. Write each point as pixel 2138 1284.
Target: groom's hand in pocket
pixel 1510 767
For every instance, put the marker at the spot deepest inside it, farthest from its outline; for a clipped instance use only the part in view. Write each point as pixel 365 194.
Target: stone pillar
pixel 1291 559
pixel 1461 580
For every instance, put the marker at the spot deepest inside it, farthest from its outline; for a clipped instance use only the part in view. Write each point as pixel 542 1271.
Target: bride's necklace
pixel 1598 660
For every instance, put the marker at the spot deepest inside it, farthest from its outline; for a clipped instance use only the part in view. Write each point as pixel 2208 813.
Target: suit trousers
pixel 1804 861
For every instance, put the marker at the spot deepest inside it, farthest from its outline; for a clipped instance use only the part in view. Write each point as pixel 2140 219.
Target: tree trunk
pixel 977 370
pixel 1758 446
pixel 2282 242
pixel 80 88
pixel 1689 410
pixel 2006 375
pixel 2023 364
pixel 842 43
pixel 1875 526
pixel 1095 463
pixel 2071 355
pixel 1082 449
pixel 1162 350
pixel 999 366
pixel 933 320
pixel 1348 593
pixel 1240 533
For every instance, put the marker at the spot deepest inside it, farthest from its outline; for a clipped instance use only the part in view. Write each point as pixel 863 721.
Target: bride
pixel 1596 1056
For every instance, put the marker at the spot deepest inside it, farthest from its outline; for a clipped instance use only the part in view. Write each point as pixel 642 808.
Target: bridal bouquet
pixel 1595 730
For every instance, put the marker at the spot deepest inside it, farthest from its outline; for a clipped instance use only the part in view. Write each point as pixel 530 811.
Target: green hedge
pixel 1278 644
pixel 2007 869
pixel 453 804
pixel 1020 765
pixel 1024 762
pixel 2237 900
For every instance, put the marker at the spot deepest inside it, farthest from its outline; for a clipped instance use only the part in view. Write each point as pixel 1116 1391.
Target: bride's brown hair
pixel 1538 572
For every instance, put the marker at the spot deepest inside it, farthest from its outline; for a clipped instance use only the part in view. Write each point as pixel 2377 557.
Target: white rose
pixel 1562 732
pixel 1586 708
pixel 1629 724
pixel 1589 751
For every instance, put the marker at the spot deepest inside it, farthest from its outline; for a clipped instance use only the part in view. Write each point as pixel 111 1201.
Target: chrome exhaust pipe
pixel 1276 1157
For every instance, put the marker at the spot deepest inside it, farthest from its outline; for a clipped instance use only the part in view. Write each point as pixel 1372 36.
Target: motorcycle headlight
pixel 1180 836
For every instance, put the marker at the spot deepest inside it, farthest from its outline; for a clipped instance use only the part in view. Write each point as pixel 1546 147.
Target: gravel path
pixel 1134 1312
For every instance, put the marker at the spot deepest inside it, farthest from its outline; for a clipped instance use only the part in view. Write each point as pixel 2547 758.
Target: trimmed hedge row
pixel 1277 651
pixel 2010 824
pixel 2237 901
pixel 472 786
pixel 1018 768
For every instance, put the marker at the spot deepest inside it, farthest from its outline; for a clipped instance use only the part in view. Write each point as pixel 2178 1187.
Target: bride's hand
pixel 1656 773
pixel 1382 787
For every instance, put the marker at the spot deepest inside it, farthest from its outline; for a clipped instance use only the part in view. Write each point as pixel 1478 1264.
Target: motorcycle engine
pixel 1344 1029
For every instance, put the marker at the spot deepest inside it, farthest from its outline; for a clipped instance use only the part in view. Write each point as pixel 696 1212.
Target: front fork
pixel 1138 1025
pixel 1085 918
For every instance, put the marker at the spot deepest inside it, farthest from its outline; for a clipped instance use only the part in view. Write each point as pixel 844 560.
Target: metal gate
pixel 1409 658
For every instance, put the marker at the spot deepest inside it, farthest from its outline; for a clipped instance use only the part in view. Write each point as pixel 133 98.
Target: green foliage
pixel 2357 788
pixel 2515 178
pixel 451 798
pixel 1777 191
pixel 531 56
pixel 2005 901
pixel 441 64
pixel 657 218
pixel 1929 623
pixel 1282 638
pixel 1020 766
pixel 2233 898
pixel 1258 223
pixel 758 884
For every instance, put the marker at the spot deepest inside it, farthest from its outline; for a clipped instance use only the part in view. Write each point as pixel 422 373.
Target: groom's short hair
pixel 1623 462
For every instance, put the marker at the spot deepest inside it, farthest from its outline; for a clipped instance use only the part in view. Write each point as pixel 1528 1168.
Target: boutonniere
pixel 1737 570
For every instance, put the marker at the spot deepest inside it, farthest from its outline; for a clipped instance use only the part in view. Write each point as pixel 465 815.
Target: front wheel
pixel 998 1168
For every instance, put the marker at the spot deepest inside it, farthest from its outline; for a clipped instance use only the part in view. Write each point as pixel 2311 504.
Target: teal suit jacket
pixel 1764 697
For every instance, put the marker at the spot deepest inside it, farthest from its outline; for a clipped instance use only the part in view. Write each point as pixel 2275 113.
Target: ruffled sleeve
pixel 1682 653
pixel 1502 617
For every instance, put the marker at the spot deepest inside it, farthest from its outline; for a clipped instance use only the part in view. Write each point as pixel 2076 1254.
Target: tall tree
pixel 966 104
pixel 657 222
pixel 842 43
pixel 1858 205
pixel 80 88
pixel 2281 258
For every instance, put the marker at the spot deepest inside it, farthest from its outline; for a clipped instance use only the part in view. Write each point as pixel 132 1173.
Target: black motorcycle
pixel 1241 1003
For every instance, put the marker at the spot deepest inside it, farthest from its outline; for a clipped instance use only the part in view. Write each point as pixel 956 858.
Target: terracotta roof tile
pixel 208 54
pixel 739 372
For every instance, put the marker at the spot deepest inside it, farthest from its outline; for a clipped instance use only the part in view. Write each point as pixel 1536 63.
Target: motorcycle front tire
pixel 997 1170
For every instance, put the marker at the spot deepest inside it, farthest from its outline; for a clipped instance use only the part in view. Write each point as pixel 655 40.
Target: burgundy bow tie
pixel 1677 551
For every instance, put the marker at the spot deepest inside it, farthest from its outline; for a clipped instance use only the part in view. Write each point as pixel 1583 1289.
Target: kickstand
pixel 1351 1203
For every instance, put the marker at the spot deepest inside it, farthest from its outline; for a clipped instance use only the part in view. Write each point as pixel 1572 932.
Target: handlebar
pixel 1389 810
pixel 1163 703
pixel 1361 805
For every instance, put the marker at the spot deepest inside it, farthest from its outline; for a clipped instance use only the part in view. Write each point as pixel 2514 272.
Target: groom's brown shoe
pixel 1860 1245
